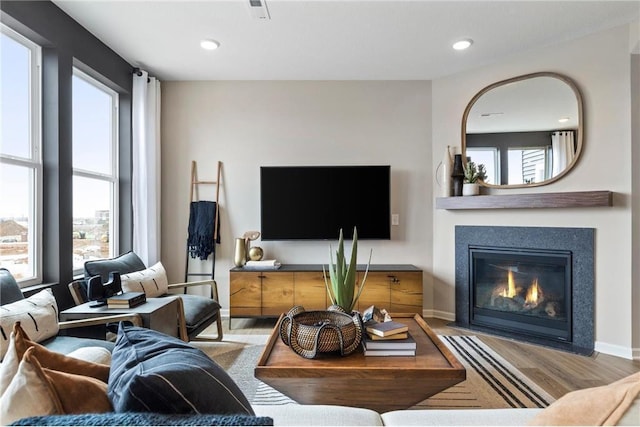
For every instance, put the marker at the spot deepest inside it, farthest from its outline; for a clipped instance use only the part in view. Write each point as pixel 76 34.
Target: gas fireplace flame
pixel 534 294
pixel 510 291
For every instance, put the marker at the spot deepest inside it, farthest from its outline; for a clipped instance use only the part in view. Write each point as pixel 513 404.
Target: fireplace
pixel 529 283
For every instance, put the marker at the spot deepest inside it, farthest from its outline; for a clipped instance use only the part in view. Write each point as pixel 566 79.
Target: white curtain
pixel 562 151
pixel 146 167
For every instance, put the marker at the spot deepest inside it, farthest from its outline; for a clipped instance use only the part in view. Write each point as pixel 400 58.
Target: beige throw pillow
pixel 36 390
pixel 78 362
pixel 152 281
pixel 38 315
pixel 595 406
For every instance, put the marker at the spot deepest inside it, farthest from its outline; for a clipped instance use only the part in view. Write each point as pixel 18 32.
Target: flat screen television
pixel 315 202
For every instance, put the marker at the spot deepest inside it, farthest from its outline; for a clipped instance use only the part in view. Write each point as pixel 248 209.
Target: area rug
pixel 491 382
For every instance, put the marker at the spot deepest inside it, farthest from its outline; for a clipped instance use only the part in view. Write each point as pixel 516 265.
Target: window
pixel 487 156
pixel 528 165
pixel 95 170
pixel 20 158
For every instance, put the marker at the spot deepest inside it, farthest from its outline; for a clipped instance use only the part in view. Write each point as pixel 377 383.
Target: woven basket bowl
pixel 314 332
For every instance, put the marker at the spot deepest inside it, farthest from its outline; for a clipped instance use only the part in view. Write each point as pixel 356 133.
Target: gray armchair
pixel 196 312
pixel 10 292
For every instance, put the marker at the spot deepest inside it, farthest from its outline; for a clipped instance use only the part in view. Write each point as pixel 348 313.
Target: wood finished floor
pixel 558 372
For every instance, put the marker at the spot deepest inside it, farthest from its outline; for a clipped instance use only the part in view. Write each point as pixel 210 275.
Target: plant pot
pixel 470 189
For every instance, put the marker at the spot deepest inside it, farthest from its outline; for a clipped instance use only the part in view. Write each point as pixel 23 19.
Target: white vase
pixel 446 165
pixel 470 189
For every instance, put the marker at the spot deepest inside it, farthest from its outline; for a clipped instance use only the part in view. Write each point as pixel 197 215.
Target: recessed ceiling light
pixel 209 44
pixel 462 44
pixel 563 119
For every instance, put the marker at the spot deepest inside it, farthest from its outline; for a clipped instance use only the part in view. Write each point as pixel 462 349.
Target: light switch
pixel 395 219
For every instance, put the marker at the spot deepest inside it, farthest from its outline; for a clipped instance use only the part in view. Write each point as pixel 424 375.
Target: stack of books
pixel 127 300
pixel 388 339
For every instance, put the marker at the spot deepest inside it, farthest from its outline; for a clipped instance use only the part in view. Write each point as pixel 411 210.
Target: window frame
pixel 34 162
pixel 114 177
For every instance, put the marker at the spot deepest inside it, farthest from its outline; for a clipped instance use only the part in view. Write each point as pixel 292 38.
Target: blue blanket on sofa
pixel 144 419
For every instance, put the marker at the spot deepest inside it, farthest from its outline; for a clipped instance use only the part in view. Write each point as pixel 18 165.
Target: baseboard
pixel 618 350
pixel 439 314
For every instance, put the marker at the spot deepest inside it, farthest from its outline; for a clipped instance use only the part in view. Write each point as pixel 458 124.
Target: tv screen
pixel 315 202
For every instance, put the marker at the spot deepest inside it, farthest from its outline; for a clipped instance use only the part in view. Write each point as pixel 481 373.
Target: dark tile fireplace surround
pixel 534 284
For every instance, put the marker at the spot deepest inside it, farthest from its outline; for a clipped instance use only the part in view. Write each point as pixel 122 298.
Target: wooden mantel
pixel 574 199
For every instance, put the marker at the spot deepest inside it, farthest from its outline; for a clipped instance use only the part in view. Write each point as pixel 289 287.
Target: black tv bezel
pixel 385 235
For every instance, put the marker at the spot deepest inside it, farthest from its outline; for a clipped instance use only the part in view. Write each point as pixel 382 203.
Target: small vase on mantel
pixel 447 167
pixel 470 189
pixel 457 175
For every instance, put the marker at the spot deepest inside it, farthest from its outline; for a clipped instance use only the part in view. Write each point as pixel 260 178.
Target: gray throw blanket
pixel 200 242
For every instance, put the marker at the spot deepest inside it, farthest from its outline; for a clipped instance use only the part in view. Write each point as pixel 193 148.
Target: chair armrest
pixel 70 324
pixel 185 285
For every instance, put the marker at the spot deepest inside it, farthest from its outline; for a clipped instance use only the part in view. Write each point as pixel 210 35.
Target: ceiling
pixel 334 40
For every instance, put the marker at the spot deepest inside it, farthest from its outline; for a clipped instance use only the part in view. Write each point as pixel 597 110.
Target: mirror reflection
pixel 527 130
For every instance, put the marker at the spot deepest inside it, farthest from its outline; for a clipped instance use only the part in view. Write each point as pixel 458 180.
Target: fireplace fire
pixel 522 290
pixel 530 300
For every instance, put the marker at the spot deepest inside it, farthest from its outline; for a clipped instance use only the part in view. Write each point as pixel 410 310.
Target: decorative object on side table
pixel 240 252
pixel 99 292
pixel 473 174
pixel 343 276
pixel 256 253
pixel 457 175
pixel 244 252
pixel 311 333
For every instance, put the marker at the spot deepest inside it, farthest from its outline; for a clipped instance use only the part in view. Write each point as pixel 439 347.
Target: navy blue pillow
pixel 123 264
pixel 153 372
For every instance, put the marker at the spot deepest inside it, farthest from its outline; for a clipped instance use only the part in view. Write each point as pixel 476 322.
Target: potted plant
pixel 473 174
pixel 342 289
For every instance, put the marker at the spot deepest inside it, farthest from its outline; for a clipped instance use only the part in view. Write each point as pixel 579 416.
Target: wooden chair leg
pixel 219 324
pixel 182 323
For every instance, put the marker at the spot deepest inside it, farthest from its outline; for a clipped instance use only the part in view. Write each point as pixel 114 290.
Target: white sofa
pixel 325 415
pixel 615 404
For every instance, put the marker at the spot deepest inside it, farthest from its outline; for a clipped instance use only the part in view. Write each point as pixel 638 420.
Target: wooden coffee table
pixel 378 383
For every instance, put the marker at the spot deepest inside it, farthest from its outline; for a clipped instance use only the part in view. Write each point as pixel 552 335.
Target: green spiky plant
pixel 473 173
pixel 343 277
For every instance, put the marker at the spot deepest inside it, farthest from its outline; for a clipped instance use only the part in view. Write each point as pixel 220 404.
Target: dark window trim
pixel 66 43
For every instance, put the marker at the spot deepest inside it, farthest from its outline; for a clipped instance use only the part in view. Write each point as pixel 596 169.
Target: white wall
pixel 249 124
pixel 600 65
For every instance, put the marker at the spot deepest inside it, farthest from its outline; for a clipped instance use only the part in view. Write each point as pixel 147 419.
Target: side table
pixel 159 314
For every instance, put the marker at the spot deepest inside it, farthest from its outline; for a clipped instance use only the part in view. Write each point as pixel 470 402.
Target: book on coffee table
pixel 402 344
pixel 400 336
pixel 384 329
pixel 389 352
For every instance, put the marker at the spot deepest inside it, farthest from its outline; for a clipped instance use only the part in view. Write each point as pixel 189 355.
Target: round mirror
pixel 527 130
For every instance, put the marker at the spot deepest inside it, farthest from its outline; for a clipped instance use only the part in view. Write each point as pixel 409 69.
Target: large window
pixel 95 170
pixel 20 158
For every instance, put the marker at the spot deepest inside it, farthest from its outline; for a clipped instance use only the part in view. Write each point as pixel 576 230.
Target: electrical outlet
pixel 395 219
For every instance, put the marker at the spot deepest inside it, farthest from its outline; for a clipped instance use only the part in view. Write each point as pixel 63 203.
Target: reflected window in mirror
pixel 487 156
pixel 527 130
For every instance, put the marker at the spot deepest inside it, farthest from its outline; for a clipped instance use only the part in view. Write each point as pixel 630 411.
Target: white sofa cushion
pixel 462 417
pixel 318 415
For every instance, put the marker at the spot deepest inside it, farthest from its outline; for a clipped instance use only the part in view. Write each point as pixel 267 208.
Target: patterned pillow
pixel 152 281
pixel 37 314
pixel 153 372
